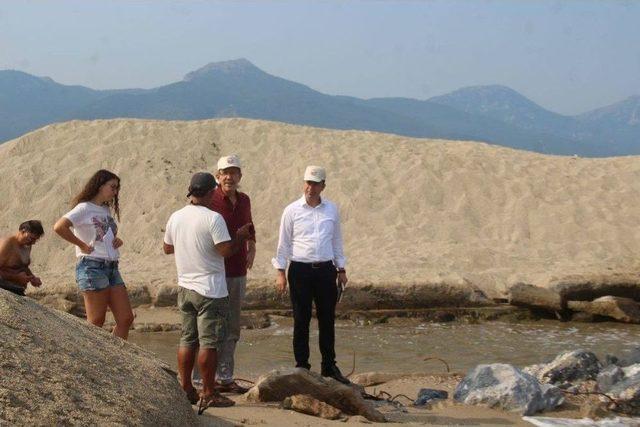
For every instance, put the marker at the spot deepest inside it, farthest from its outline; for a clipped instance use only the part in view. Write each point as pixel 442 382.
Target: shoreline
pixel 562 298
pixel 150 319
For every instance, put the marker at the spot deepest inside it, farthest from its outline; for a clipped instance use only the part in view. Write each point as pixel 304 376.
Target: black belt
pixel 104 262
pixel 320 264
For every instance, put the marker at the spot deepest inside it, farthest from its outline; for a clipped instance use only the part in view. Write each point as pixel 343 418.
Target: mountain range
pixel 494 114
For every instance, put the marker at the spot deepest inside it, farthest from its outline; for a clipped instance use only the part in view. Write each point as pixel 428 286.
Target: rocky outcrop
pixel 622 309
pixel 278 385
pixel 590 287
pixel 451 293
pixel 56 369
pixel 534 296
pixel 612 295
pixel 506 387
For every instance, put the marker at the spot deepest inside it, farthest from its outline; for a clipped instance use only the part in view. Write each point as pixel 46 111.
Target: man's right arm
pixel 283 253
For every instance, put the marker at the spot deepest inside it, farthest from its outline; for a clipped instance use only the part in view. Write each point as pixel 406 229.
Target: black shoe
pixel 334 372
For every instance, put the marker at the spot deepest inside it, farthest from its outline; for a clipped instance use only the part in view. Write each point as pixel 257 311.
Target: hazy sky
pixel 568 56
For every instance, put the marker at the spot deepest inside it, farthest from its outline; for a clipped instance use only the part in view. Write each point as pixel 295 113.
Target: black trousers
pixel 313 284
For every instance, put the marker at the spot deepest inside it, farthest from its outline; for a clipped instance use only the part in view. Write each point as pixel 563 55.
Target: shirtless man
pixel 15 257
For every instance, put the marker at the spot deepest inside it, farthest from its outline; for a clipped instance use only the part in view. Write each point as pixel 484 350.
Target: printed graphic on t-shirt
pixel 102 226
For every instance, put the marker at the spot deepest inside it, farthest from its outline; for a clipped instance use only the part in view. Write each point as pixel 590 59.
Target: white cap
pixel 232 161
pixel 315 173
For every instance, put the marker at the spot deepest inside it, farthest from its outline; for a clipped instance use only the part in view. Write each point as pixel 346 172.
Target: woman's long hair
pixel 92 187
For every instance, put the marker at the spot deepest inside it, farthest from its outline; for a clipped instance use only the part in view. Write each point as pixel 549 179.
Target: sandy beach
pixel 415 212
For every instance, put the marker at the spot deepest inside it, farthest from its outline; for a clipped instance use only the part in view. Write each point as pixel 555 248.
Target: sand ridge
pixel 414 211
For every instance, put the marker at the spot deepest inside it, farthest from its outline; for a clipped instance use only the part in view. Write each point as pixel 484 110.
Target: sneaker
pixel 334 372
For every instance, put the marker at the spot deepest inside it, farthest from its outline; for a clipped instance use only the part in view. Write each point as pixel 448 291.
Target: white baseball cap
pixel 232 161
pixel 315 173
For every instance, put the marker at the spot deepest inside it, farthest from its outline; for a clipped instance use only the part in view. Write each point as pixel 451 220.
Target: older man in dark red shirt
pixel 235 208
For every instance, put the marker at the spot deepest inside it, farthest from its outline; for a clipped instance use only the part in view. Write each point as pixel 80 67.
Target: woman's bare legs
pixel 95 304
pixel 117 299
pixel 121 308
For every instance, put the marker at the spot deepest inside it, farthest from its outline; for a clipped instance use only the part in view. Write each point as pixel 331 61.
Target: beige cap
pixel 232 161
pixel 315 173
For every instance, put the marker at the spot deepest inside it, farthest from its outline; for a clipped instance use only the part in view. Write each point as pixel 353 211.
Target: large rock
pixel 608 377
pixel 590 287
pixel 572 366
pixel 622 309
pixel 627 394
pixel 56 369
pixel 279 384
pixel 556 293
pixel 308 405
pixel 506 387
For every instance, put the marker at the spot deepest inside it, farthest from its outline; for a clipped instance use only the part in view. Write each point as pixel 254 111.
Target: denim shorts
pixel 93 274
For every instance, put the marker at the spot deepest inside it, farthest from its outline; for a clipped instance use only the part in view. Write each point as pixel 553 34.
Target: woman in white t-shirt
pixel 95 237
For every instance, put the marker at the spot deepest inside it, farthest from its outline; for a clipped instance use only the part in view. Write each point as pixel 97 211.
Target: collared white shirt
pixel 310 234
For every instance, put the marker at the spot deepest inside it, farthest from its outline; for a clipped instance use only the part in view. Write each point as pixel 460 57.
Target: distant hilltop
pixel 493 114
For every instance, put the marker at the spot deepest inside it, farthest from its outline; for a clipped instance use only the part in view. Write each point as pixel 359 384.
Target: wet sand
pixel 400 346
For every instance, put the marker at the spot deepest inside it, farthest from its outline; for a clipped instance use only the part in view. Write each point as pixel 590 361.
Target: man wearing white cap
pixel 235 208
pixel 311 243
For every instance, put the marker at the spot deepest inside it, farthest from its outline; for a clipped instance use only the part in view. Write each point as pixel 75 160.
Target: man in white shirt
pixel 199 239
pixel 311 241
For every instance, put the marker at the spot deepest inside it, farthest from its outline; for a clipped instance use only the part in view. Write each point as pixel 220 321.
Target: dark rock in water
pixel 429 395
pixel 277 385
pixel 608 377
pixel 572 366
pixel 507 387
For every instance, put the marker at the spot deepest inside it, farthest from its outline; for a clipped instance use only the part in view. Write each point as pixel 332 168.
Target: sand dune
pixel 414 211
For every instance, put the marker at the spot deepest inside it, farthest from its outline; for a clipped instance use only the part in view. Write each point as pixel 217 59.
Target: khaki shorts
pixel 204 320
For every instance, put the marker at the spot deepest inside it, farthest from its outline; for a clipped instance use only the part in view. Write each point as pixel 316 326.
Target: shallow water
pixel 401 346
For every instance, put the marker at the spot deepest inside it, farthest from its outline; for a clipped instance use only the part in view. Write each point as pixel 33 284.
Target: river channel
pixel 402 344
